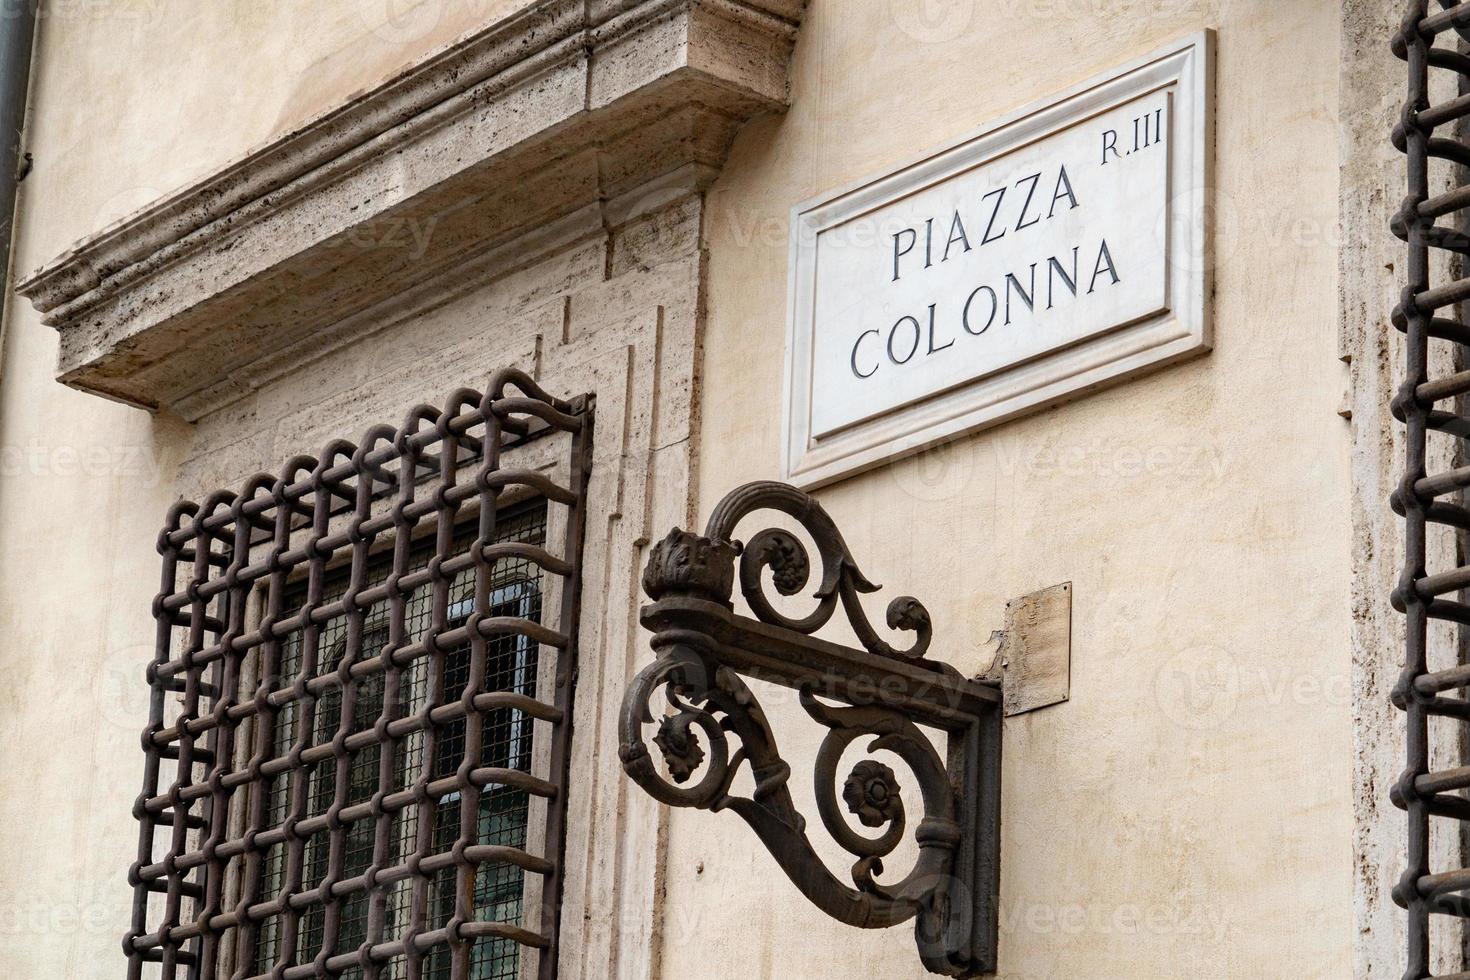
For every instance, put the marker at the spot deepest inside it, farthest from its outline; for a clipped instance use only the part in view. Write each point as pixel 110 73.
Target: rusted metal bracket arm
pixel 704 649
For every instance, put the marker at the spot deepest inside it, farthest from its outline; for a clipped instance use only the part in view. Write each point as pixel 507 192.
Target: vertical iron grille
pixel 1432 404
pixel 356 753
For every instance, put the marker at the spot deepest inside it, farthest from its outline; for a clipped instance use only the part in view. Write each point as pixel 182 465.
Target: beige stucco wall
pixel 136 98
pixel 1187 813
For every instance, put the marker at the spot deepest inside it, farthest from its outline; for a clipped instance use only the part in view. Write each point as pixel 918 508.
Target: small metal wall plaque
pixel 1035 659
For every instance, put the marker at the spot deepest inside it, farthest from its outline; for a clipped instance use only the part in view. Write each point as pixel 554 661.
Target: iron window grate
pixel 356 754
pixel 511 666
pixel 1432 404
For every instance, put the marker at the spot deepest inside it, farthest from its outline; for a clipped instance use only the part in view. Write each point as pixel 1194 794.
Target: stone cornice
pixel 565 104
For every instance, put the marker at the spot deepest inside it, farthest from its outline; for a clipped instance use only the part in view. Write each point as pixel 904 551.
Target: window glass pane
pixel 511 664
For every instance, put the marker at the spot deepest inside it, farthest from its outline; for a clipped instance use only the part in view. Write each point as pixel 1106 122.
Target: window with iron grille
pixel 356 756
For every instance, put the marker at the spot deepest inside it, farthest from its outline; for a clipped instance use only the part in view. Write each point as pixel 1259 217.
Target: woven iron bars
pixel 357 744
pixel 1431 403
pixel 884 694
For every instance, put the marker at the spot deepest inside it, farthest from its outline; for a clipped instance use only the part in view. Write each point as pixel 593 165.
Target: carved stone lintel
pixel 565 105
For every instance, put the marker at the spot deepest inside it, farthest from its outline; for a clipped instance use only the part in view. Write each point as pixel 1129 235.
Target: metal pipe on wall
pixel 17 40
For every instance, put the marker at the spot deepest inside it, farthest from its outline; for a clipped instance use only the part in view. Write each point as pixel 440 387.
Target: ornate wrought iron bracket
pixel 704 649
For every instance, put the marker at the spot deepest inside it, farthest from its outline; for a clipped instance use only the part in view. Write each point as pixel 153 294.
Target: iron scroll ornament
pixel 704 649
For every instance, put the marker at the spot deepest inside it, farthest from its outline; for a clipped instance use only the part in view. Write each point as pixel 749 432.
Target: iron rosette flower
pixel 872 794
